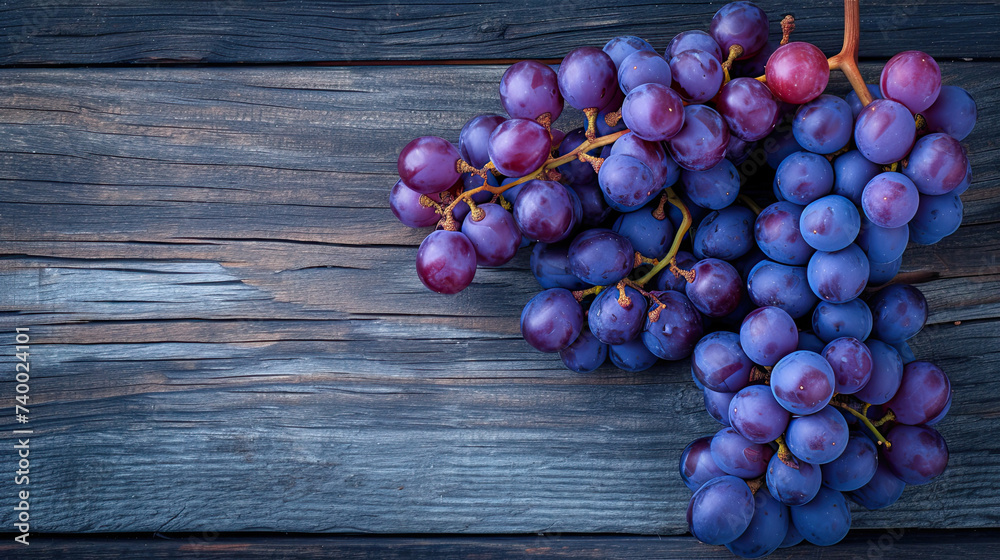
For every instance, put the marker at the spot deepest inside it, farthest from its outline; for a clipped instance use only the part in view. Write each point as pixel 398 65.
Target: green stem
pixel 864 420
pixel 676 246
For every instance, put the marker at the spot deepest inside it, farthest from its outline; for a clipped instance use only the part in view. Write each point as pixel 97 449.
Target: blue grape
pixel 695 39
pixel 778 236
pixel 738 151
pixel 937 217
pixel 519 146
pixel 855 103
pixel 550 265
pixel 715 290
pixel 643 67
pixel 632 356
pixel 779 145
pixel 725 234
pixel 666 280
pixel 781 286
pixel 767 335
pixel 529 89
pixel 621 47
pixel 740 23
pixel 884 131
pixel 851 362
pixel 923 394
pixel 714 188
pixel 811 342
pixel 613 324
pixel 649 236
pixel 881 491
pixel 546 211
pixel 552 320
pixel 804 177
pixel 791 486
pixel 830 223
pixel 825 520
pixel 427 164
pixel 702 141
pixel 677 328
pixel 953 112
pixel 697 75
pixel 818 438
pixel 587 78
pixel 756 415
pixel 601 257
pixel 576 172
pixel 838 276
pixel 738 456
pixel 855 466
pixel 595 208
pixel 585 354
pixel 717 404
pixel 918 454
pixel 446 262
pixel 749 108
pixel 880 273
pixel 831 321
pixel 665 170
pixel 803 383
pixel 720 363
pixel 899 312
pixel 792 537
pixel 882 245
pixel 473 140
pixel 720 510
pixel 887 373
pixel 627 183
pixel 767 528
pixel 890 199
pixel 823 125
pixel 905 352
pixel 852 171
pixel 697 466
pixel 912 78
pixel 936 165
pixel 653 112
pixel 495 237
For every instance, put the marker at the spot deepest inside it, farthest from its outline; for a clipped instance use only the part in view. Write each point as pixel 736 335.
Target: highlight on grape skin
pixel 621 173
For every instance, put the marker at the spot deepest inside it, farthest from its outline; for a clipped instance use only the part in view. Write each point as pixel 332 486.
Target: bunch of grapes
pixel 646 249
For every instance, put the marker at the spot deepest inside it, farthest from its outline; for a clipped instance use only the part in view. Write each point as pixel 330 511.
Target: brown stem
pixel 612 118
pixel 623 300
pixel 787 26
pixel 591 113
pixel 594 161
pixel 756 484
pixel 785 454
pixel 660 213
pixel 847 59
pixel 734 52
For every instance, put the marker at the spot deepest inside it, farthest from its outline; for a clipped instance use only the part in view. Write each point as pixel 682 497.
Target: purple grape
pixel 965 184
pixel 620 48
pixel 887 374
pixel 702 141
pixel 546 211
pixel 793 487
pixel 631 356
pixel 665 170
pixel 612 323
pixel 715 290
pixel 755 65
pixel 738 151
pixel 881 491
pixel 917 455
pixel 937 217
pixel 818 438
pixel 740 23
pixel 899 312
pixel 851 362
pixel 911 78
pixel 781 286
pixel 884 131
pixel 936 165
pixel 797 72
pixel 715 188
pixel 550 266
pixel 944 412
pixel 552 320
pixel 830 223
pixel 519 146
pixel 697 75
pixel 838 276
pixel 779 145
pixel 880 273
pixel 854 468
pixel 725 234
pixel 649 236
pixel 446 262
pixel 653 112
pixel 675 331
pixel 427 164
pixel 720 510
pixel 405 205
pixel 803 383
pixel 777 233
pixel 767 335
pixel 697 40
pixel 588 78
pixel 804 177
pixel 923 394
pixel 529 89
pixel 831 321
pixel 626 182
pixel 825 520
pixel 576 172
pixel 665 280
pixel 882 245
pixel 595 208
pixel 855 102
pixel 852 171
pixel 717 404
pixel 643 67
pixel 954 113
pixel 697 466
pixel 755 415
pixel 824 125
pixel 473 140
pixel 495 237
pixel 749 109
pixel 738 456
pixel 601 257
pixel 720 363
pixel 767 528
pixel 811 342
pixel 585 354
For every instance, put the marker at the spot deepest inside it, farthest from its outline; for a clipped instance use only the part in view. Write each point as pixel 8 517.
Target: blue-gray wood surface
pixel 227 332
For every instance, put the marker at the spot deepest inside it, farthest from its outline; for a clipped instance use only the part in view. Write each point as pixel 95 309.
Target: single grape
pixel 782 286
pixel 923 394
pixel 653 112
pixel 546 211
pixel 585 354
pixel 495 236
pixel 953 112
pixel 749 108
pixel 551 320
pixel 767 528
pixel 473 140
pixel 917 455
pixel 899 312
pixel 882 245
pixel 405 205
pixel 697 75
pixel 824 125
pixel 855 102
pixel 519 146
pixel 643 67
pixel 702 141
pixel 665 170
pixel 811 342
pixel 825 520
pixel 738 151
pixel 720 510
pixel 884 131
pixel 792 537
pixel 756 415
pixel 804 177
pixel 427 164
pixel 767 335
pixel 601 257
pixel 855 466
pixel 887 373
pixel 880 273
pixel 936 165
pixel 803 383
pixel 791 486
pixel 614 323
pixel 677 328
pixel 905 352
pixel 852 171
pixel 738 456
pixel 620 48
pixel 725 234
pixel 588 78
pixel 697 466
pixel 881 491
pixel 831 321
pixel 715 290
pixel 720 363
pixel 830 223
pixel 851 362
pixel 818 438
pixel 626 182
pixel 695 39
pixel 740 23
pixel 778 236
pixel 911 78
pixel 529 89
pixel 937 217
pixel 631 356
pixel 797 72
pixel 717 404
pixel 965 184
pixel 649 236
pixel 595 208
pixel 779 145
pixel 550 265
pixel 944 412
pixel 838 276
pixel 714 188
pixel 446 262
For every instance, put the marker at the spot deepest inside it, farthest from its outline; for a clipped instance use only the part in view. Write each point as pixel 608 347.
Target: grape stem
pixel 750 204
pixel 864 420
pixel 785 454
pixel 847 59
pixel 681 231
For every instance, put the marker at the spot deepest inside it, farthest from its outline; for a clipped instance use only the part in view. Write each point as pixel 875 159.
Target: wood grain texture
pixel 228 334
pixel 254 31
pixel 973 545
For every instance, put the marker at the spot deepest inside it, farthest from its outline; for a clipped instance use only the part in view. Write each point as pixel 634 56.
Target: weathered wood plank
pixel 121 31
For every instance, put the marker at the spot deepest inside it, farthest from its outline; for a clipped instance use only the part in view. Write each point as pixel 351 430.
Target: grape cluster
pixel 648 247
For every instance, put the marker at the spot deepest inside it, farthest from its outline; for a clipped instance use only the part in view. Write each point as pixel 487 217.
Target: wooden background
pixel 227 331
